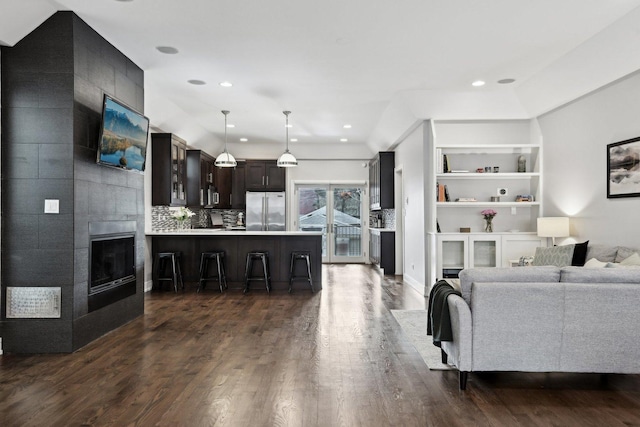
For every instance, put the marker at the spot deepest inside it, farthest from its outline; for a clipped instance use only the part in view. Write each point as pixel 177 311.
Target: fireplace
pixel 112 262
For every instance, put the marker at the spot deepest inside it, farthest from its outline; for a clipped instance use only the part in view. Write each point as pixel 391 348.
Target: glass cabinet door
pixel 454 253
pixel 484 251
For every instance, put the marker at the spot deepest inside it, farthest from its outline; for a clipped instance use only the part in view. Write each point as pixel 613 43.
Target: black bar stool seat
pixel 263 258
pixel 174 275
pixel 306 258
pixel 205 259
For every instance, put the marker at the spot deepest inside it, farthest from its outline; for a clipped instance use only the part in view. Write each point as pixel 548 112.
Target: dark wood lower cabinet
pixel 236 247
pixel 382 250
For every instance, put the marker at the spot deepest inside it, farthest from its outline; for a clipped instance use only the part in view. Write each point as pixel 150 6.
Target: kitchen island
pixel 236 244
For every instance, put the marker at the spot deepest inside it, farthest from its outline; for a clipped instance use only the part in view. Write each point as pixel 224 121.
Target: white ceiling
pixel 377 65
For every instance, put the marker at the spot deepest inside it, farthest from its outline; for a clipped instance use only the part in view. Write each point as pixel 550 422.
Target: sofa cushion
pixel 599 275
pixel 508 274
pixel 559 256
pixel 624 253
pixel 594 263
pixel 633 259
pixel 602 252
pixel 579 254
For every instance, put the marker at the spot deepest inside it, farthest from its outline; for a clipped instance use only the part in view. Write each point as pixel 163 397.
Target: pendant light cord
pixel 225 112
pixel 286 113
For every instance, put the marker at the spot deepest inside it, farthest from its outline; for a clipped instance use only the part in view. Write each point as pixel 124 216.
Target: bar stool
pixel 263 257
pixel 300 256
pixel 205 258
pixel 173 260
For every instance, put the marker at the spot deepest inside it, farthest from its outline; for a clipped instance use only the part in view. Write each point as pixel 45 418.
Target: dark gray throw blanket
pixel 438 320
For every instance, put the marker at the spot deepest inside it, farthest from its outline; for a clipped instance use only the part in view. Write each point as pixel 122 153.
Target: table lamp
pixel 553 227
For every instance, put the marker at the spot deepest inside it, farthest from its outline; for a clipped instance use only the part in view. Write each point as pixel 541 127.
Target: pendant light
pixel 287 160
pixel 225 159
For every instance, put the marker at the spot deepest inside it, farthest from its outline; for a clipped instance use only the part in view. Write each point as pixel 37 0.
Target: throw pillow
pixel 579 254
pixel 602 252
pixel 594 263
pixel 632 260
pixel 624 252
pixel 560 256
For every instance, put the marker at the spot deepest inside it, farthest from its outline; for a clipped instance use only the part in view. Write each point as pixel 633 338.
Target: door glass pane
pixel 312 209
pixel 347 222
pixel 484 253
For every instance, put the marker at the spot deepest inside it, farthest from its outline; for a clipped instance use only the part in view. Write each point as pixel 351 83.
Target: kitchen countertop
pixel 225 232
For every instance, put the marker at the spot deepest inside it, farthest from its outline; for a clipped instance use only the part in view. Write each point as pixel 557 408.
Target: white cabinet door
pixel 452 255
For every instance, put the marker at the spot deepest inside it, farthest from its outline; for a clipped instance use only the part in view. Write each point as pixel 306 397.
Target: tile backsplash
pixel 388 218
pixel 161 219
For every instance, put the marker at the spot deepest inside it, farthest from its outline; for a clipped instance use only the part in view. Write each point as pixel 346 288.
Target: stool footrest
pixel 263 258
pixel 218 259
pixel 306 258
pixel 173 260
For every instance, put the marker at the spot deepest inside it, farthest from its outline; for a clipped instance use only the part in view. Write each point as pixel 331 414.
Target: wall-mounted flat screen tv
pixel 123 136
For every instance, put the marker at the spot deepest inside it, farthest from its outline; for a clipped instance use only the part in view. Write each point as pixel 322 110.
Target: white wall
pixel 575 139
pixel 410 156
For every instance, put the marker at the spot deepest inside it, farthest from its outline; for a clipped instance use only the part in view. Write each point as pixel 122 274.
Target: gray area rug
pixel 414 326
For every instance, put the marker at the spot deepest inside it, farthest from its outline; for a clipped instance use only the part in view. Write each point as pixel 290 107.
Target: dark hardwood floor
pixel 333 358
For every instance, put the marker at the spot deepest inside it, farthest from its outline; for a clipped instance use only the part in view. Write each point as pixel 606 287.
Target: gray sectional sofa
pixel 546 319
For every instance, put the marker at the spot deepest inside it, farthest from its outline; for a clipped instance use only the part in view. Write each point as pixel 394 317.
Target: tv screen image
pixel 123 136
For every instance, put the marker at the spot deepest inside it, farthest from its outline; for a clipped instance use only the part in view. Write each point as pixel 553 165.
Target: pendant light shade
pixel 225 159
pixel 287 160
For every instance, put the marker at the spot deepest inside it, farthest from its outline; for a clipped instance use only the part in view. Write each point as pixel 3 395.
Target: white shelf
pixel 488 175
pixel 490 204
pixel 484 233
pixel 488 148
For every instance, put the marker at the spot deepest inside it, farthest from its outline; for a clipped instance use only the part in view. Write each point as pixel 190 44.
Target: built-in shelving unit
pixel 483 161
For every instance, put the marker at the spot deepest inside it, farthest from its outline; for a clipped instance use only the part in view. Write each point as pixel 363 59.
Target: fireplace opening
pixel 112 262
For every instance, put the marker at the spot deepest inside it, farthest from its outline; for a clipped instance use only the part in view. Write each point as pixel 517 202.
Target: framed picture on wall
pixel 623 169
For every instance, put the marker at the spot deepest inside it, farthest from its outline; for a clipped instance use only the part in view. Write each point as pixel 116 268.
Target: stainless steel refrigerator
pixel 265 211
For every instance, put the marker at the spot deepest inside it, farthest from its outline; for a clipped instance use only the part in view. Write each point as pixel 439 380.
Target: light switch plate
pixel 52 206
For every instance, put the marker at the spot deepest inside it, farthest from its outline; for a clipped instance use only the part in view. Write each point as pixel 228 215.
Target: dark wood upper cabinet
pixel 264 175
pixel 381 187
pixel 223 185
pixel 200 179
pixel 169 170
pixel 238 187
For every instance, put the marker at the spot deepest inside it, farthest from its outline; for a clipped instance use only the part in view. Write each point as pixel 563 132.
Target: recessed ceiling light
pixel 294 140
pixel 225 84
pixel 288 126
pixel 229 125
pixel 506 81
pixel 347 126
pixel 243 139
pixel 477 83
pixel 343 140
pixel 169 50
pixel 197 82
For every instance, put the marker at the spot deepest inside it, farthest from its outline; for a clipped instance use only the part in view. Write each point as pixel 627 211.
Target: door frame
pixel 329 185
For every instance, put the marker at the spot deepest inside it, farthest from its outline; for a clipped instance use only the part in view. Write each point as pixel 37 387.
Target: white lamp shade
pixel 225 160
pixel 553 227
pixel 287 160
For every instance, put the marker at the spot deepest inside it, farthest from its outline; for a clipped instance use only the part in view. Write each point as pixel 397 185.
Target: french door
pixel 336 211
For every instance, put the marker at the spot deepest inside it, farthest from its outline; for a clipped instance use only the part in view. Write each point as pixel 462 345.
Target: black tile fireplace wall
pixel 53 83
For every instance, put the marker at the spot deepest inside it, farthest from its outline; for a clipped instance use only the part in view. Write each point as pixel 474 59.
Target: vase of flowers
pixel 488 215
pixel 183 218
